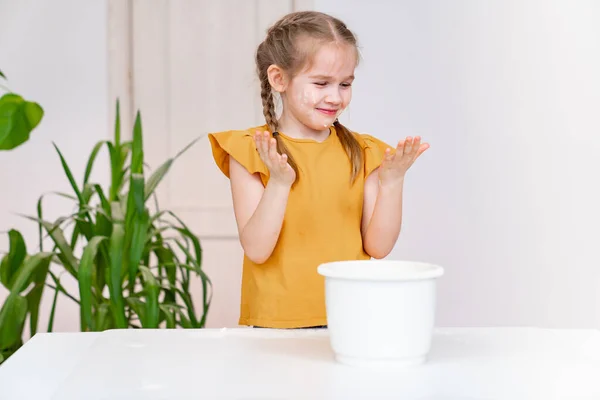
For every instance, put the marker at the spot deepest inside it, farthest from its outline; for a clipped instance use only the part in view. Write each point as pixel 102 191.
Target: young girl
pixel 306 190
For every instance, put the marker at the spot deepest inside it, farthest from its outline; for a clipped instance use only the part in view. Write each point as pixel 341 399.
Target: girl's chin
pixel 322 122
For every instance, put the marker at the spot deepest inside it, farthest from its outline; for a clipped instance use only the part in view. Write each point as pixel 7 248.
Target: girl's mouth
pixel 327 112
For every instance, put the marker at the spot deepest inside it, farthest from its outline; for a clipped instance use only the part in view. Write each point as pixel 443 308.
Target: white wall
pixel 507 199
pixel 53 52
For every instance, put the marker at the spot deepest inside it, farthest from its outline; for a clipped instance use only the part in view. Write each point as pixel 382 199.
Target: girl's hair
pixel 284 47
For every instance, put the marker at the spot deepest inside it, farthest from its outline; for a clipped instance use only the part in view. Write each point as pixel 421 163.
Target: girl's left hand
pixel 394 166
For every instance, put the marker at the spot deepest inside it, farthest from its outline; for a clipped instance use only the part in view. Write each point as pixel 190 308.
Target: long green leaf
pixel 156 177
pixel 34 298
pixel 137 151
pixel 85 226
pixel 115 169
pixel 26 274
pixel 103 222
pixel 166 257
pixel 52 311
pixel 103 319
pixel 169 314
pixel 138 243
pixel 13 260
pixel 138 308
pixel 151 289
pixel 40 214
pixel 65 255
pixel 117 241
pixel 69 175
pixel 92 160
pixel 12 320
pixel 86 269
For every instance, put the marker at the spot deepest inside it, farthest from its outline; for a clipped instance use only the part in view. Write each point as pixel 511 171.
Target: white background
pixel 507 198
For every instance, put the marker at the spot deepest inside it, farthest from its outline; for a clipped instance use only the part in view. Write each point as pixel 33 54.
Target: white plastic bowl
pixel 380 312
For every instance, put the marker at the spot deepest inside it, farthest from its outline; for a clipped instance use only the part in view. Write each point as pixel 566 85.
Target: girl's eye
pixel 346 84
pixel 320 83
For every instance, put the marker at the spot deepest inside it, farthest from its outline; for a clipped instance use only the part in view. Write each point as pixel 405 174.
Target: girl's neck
pixel 293 128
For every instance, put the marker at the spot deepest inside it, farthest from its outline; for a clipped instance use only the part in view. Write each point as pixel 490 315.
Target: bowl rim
pixel 382 270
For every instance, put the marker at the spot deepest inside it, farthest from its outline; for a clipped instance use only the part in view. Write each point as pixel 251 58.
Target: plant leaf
pixel 117 242
pixel 18 118
pixel 69 175
pixel 115 169
pixel 166 258
pixel 138 307
pixel 12 320
pixel 52 311
pixel 86 269
pixel 169 315
pixel 65 255
pixel 13 260
pixel 27 273
pixel 137 151
pixel 152 290
pixel 138 243
pixel 91 160
pixel 34 298
pixel 156 177
pixel 103 320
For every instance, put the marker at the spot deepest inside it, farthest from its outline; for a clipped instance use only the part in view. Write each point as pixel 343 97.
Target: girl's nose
pixel 334 97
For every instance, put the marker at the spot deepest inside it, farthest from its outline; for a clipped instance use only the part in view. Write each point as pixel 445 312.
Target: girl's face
pixel 317 95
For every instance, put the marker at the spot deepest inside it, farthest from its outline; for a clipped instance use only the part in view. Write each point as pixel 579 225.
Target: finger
pixel 416 145
pixel 257 142
pixel 273 155
pixel 388 157
pixel 264 143
pixel 283 161
pixel 408 145
pixel 422 149
pixel 400 148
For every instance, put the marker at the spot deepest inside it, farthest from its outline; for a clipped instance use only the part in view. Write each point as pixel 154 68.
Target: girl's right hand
pixel 279 169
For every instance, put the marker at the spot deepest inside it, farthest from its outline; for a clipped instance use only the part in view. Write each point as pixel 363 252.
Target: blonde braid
pixel 266 96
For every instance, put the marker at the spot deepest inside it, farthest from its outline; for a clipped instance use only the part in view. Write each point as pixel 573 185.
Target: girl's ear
pixel 277 78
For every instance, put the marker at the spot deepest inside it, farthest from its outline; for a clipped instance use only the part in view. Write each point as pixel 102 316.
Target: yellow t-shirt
pixel 322 223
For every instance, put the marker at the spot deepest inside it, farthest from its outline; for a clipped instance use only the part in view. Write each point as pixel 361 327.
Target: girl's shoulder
pixel 239 144
pixel 371 143
pixel 373 150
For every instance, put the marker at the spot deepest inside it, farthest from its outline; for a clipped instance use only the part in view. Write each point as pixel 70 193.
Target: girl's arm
pixel 382 216
pixel 382 205
pixel 259 210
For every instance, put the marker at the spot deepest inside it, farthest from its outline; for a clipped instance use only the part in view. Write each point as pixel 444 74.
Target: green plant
pixel 136 264
pixel 24 276
pixel 18 118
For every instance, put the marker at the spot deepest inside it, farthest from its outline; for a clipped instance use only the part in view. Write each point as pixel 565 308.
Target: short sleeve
pixel 374 150
pixel 239 145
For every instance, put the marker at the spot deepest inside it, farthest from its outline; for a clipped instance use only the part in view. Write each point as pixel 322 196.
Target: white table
pixel 464 364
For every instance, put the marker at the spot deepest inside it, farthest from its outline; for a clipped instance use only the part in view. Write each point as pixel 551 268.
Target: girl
pixel 306 190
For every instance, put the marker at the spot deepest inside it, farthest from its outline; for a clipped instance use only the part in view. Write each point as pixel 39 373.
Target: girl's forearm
pixel 260 234
pixel 384 227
